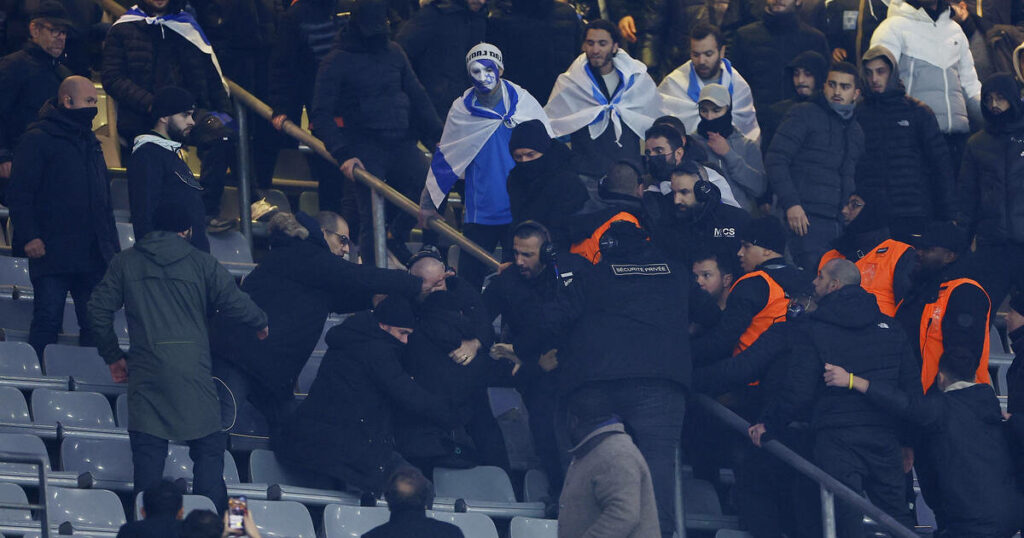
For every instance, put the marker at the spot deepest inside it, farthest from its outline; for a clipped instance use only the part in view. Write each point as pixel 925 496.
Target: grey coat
pixel 743 167
pixel 607 491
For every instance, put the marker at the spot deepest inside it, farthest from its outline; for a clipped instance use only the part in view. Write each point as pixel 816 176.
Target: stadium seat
pixel 264 468
pixel 85 508
pixel 230 247
pixel 106 459
pixel 308 374
pixel 19 359
pixel 483 483
pixel 14 272
pixel 700 497
pixel 120 201
pixel 352 521
pixel 12 406
pixel 188 502
pixel 528 527
pixel 536 487
pixel 81 363
pixel 472 525
pixel 179 465
pixel 121 411
pixel 13 494
pixel 24 443
pixel 79 409
pixel 125 235
pixel 309 202
pixel 15 314
pixel 281 519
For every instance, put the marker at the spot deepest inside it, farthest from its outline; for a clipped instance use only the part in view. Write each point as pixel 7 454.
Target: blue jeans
pixel 49 294
pixel 653 411
pixel 149 453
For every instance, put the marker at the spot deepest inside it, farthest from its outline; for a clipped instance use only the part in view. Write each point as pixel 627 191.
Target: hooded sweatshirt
pixel 771 117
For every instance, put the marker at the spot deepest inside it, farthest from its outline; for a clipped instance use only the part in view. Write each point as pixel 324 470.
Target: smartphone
pixel 237 507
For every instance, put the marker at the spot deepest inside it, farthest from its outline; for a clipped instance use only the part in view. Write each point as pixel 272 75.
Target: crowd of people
pixel 813 212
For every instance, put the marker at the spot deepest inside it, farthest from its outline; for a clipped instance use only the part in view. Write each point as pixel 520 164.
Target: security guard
pixel 885 264
pixel 627 347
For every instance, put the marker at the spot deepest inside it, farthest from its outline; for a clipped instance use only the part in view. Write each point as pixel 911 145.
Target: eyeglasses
pixel 341 237
pixel 854 204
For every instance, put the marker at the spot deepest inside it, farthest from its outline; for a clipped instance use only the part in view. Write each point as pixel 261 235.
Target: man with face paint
pixel 474 147
pixel 60 207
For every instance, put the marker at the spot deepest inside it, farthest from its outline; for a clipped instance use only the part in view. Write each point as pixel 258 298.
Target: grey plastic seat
pixel 24 443
pixel 106 459
pixel 14 272
pixel 281 519
pixel 121 410
pixel 536 487
pixel 264 468
pixel 125 235
pixel 179 465
pixel 15 314
pixel 482 483
pixel 309 202
pixel 80 409
pixel 188 503
pixel 12 406
pixel 352 521
pixel 12 493
pixel 308 374
pixel 19 359
pixel 119 199
pixel 530 527
pixel 472 525
pixel 81 363
pixel 85 508
pixel 230 247
pixel 700 497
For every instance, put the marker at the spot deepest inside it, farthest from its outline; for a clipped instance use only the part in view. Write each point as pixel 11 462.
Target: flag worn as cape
pixel 680 92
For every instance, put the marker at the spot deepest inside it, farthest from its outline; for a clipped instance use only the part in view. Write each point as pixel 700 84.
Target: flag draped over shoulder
pixel 577 101
pixel 680 93
pixel 467 129
pixel 183 24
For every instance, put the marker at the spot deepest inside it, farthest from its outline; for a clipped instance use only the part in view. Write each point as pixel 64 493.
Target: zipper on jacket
pixel 949 106
pixel 910 83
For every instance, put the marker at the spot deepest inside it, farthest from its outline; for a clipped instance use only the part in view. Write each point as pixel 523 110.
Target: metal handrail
pixel 41 463
pixel 828 484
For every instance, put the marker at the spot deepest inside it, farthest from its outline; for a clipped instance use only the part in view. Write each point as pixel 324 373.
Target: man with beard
pixel 680 90
pixel 543 185
pixel 604 101
pixel 60 206
pixel 664 151
pixel 811 164
pixel 807 74
pixel 157 174
pixel 370 109
pixel 474 147
pixel 906 161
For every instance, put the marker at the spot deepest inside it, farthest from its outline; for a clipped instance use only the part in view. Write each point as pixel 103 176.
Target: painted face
pixel 484 74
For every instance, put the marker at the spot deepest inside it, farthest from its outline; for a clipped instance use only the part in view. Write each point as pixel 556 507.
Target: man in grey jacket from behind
pixel 607 489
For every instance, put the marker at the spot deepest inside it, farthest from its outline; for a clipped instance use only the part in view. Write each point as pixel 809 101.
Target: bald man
pixel 60 207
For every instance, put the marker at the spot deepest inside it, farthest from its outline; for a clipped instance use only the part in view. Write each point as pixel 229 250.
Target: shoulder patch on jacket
pixel 649 269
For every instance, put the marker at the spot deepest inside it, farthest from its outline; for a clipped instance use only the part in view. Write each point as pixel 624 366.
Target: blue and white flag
pixel 468 127
pixel 577 100
pixel 183 24
pixel 680 91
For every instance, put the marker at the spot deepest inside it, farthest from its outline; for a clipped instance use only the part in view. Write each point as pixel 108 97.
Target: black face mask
pixel 658 166
pixel 82 116
pixel 721 125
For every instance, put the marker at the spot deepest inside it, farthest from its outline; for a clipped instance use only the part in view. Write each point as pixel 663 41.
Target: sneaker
pixel 262 208
pixel 218 225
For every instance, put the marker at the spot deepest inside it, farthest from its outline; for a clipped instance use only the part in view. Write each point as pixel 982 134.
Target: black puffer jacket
pixel 436 40
pixel 28 78
pixel 990 194
pixel 140 58
pixel 59 193
pixel 812 159
pixel 847 330
pixel 711 227
pixel 538 39
pixel 366 94
pixel 547 190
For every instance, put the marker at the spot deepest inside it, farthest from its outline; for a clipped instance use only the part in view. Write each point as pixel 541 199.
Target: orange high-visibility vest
pixel 774 311
pixel 877 269
pixel 931 334
pixel 590 248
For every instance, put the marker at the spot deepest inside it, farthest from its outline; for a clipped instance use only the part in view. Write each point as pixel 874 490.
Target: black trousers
pixel 868 460
pixel 243 395
pixel 488 237
pixel 772 499
pixel 149 453
pixel 541 400
pixel 50 294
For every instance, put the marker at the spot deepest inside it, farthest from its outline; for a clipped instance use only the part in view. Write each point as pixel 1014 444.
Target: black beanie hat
pixel 943 234
pixel 531 135
pixel 395 311
pixel 171 100
pixel 765 232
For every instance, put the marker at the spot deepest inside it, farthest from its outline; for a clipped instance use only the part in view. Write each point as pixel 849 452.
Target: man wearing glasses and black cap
pixel 31 76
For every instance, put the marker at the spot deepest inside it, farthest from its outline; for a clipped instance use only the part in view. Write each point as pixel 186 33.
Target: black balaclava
pixel 1005 85
pixel 721 125
pixel 370 23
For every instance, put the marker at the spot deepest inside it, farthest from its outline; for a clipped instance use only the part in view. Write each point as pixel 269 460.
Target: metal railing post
pixel 380 230
pixel 243 170
pixel 828 513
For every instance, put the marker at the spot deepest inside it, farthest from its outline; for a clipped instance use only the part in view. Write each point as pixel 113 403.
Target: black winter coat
pixel 156 175
pixel 345 427
pixel 60 193
pixel 760 49
pixel 140 58
pixel 28 78
pixel 965 443
pixel 436 40
pixel 990 189
pixel 298 284
pixel 848 330
pixel 906 160
pixel 1015 375
pixel 547 190
pixel 370 96
pixel 414 523
pixel 713 228
pixel 813 157
pixel 538 40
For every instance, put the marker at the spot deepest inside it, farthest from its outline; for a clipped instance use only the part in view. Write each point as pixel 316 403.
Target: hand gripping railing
pixel 830 487
pixel 40 462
